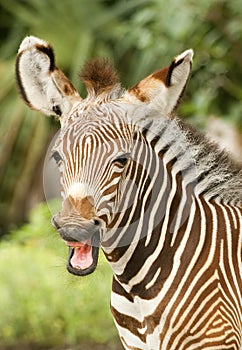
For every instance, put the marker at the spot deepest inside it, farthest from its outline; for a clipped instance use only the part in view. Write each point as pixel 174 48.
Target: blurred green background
pixel 40 304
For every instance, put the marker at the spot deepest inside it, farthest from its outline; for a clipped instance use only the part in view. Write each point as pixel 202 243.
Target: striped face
pixel 93 156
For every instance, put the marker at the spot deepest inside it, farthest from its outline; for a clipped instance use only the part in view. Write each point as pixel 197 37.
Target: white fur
pixel 160 97
pixel 42 86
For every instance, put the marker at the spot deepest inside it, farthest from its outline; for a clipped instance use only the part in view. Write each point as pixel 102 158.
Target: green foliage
pixel 40 302
pixel 159 30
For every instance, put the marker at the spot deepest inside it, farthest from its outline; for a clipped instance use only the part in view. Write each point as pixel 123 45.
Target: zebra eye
pixel 57 157
pixel 123 160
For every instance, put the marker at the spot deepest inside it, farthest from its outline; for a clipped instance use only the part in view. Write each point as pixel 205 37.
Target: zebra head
pixel 100 142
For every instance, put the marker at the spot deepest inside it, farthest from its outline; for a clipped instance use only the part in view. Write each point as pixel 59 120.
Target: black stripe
pixel 50 53
pixel 19 80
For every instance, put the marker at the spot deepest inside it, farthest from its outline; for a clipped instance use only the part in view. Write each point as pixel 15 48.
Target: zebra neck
pixel 166 187
pixel 168 251
pixel 153 230
pixel 157 199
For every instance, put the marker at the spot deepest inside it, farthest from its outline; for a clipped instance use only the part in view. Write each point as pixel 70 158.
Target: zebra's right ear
pixel 163 89
pixel 42 85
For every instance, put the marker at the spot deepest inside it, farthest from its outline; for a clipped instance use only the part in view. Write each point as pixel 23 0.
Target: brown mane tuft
pixel 99 75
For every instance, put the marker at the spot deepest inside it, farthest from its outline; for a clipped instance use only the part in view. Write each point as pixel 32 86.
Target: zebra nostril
pixel 96 222
pixel 54 222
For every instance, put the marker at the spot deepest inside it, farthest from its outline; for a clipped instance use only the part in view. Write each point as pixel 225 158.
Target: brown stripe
pixel 129 323
pixel 162 74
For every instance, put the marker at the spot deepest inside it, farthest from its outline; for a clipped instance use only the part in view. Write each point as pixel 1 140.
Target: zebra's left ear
pixel 43 86
pixel 163 89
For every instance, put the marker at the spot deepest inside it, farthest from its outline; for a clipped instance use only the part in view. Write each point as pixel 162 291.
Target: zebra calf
pixel 162 201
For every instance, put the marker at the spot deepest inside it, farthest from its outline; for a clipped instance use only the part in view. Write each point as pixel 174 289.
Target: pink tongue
pixel 82 257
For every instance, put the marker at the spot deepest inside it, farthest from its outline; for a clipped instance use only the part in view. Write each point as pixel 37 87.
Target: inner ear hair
pixel 48 50
pixel 43 86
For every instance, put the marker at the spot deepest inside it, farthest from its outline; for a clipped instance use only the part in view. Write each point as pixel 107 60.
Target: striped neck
pixel 171 175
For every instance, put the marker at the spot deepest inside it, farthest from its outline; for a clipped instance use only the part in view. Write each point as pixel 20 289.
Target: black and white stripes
pixel 172 237
pixel 177 283
pixel 163 202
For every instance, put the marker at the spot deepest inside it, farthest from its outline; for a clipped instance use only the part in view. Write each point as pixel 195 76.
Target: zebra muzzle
pixel 83 241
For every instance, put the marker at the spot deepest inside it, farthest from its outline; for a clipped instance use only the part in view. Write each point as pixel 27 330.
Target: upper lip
pixel 73 244
pixel 77 233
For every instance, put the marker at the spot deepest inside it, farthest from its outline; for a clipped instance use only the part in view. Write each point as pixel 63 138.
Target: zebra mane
pixel 220 175
pixel 99 75
pixel 215 171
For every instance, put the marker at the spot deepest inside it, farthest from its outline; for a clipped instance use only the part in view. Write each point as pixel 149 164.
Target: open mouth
pixel 83 256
